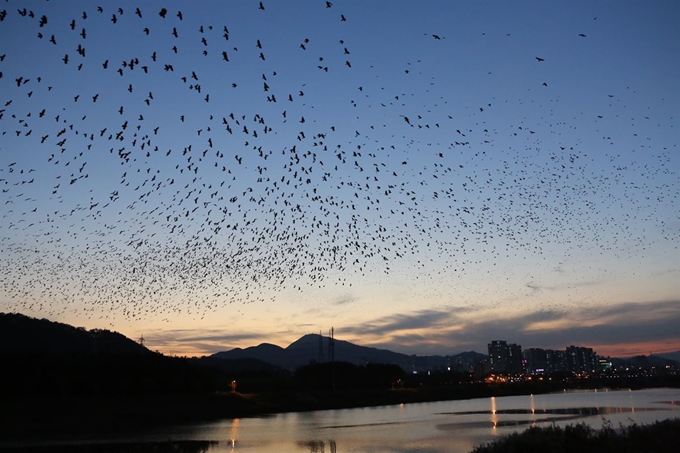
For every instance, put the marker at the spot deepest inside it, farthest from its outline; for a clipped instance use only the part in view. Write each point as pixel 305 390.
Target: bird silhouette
pixel 186 184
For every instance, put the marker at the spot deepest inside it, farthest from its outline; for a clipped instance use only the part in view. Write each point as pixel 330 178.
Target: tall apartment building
pixel 556 361
pixel 535 361
pixel 581 360
pixel 505 358
pixel 574 359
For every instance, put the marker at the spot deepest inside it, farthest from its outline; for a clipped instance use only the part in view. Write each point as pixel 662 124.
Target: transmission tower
pixel 320 358
pixel 331 356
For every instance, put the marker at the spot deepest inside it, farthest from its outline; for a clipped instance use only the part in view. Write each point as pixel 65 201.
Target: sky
pixel 420 176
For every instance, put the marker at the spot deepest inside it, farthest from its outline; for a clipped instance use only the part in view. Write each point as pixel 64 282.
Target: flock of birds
pixel 199 167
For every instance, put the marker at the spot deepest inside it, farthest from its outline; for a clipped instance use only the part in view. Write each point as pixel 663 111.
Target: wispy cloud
pixel 443 332
pixel 199 341
pixel 422 319
pixel 558 287
pixel 343 300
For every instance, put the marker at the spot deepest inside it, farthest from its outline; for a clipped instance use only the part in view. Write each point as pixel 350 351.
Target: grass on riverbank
pixel 659 437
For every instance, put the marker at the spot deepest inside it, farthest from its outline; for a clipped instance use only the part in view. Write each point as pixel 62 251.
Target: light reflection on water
pixel 446 426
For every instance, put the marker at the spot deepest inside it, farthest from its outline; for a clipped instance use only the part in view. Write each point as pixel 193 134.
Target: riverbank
pixel 659 437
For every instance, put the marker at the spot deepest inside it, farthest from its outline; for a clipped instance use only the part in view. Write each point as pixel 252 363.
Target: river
pixel 445 426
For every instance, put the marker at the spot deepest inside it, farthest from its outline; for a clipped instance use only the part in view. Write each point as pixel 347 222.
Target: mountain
pixel 307 347
pixel 265 352
pixel 670 356
pixel 645 361
pixel 39 357
pixel 23 334
pixel 310 347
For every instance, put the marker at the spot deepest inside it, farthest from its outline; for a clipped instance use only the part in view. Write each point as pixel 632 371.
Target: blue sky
pixel 425 177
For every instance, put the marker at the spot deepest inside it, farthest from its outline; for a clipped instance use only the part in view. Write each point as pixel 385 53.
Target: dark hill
pixel 51 359
pixel 306 350
pixel 23 334
pixel 644 361
pixel 670 356
pixel 312 347
pixel 265 352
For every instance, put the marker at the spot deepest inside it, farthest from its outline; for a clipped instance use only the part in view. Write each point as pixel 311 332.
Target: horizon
pixel 621 353
pixel 392 348
pixel 427 177
pixel 396 348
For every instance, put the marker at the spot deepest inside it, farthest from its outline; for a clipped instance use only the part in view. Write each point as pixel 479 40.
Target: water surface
pixel 445 426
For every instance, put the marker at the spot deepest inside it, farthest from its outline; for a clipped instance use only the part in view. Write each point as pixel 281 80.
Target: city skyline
pixel 423 176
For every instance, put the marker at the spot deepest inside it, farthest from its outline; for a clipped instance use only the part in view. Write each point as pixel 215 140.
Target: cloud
pixel 342 300
pixel 422 319
pixel 202 335
pixel 533 286
pixel 637 309
pixel 443 332
pixel 199 341
pixel 570 285
pixel 543 316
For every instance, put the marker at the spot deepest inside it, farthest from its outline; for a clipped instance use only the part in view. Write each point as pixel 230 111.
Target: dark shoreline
pixel 95 417
pixel 658 437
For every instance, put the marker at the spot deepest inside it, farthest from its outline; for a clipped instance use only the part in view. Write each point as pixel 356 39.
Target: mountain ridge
pixel 314 348
pixel 21 333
